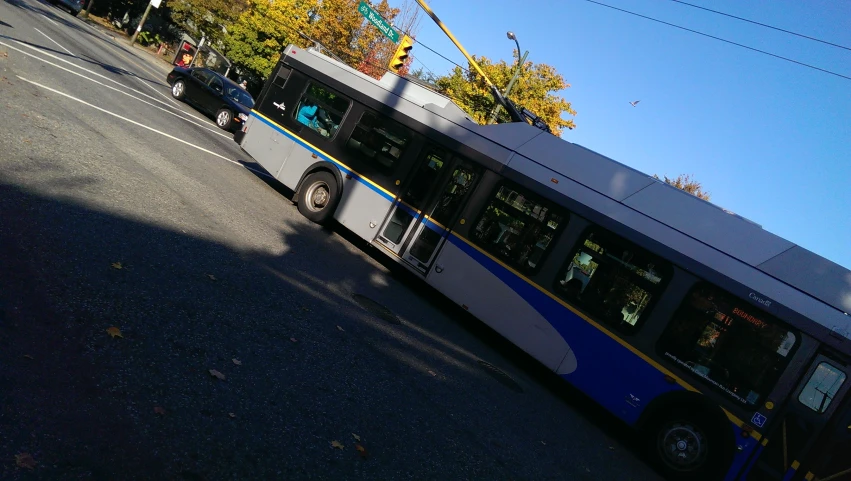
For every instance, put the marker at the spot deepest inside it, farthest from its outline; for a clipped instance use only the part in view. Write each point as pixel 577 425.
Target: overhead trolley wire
pixel 723 40
pixel 765 25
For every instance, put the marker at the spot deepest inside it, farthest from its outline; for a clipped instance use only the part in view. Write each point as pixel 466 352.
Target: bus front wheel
pixel 317 197
pixel 686 447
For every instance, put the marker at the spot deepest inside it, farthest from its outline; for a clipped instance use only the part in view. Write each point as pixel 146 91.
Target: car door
pixel 213 99
pixel 197 89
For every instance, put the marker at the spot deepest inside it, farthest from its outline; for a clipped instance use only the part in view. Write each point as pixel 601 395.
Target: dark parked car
pixel 212 93
pixel 73 6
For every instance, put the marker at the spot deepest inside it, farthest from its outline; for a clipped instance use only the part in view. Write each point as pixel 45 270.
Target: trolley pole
pixel 512 110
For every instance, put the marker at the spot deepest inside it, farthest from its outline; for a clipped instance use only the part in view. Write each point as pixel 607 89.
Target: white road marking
pixel 97 75
pixel 119 91
pixel 54 41
pixel 202 149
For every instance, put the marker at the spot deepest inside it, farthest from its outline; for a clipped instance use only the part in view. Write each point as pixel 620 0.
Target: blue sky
pixel 770 140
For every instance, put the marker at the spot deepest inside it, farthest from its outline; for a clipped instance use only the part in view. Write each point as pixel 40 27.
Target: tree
pixel 207 17
pixel 687 183
pixel 406 20
pixel 255 41
pixel 535 89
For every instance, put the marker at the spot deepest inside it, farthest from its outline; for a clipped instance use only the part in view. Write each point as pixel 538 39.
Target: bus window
pixel 379 141
pixel 518 229
pixel 738 348
pixel 321 109
pixel 612 279
pixel 822 387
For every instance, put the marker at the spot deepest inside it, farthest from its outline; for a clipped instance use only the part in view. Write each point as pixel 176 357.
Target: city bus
pixel 725 346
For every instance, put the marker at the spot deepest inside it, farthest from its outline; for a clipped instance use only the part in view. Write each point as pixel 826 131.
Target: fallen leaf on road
pixel 357 438
pixel 543 443
pixel 612 448
pixel 432 373
pixel 217 374
pixel 237 361
pixel 340 328
pixel 25 460
pixel 361 450
pixel 232 415
pixel 117 265
pixel 293 339
pixel 212 277
pixel 28 356
pixel 5 54
pixel 336 444
pixel 114 332
pixel 27 141
pixel 159 410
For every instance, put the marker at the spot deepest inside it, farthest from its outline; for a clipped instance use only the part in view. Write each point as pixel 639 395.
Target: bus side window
pixel 739 348
pixel 612 279
pixel 518 229
pixel 272 101
pixel 321 109
pixel 379 141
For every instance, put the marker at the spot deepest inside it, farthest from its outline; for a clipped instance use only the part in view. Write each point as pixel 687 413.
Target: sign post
pixel 375 18
pixel 153 3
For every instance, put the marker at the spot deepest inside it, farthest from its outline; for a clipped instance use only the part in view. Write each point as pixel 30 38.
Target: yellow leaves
pixel 114 332
pixel 361 450
pixel 217 375
pixel 25 460
pixel 159 410
pixel 336 444
pixel 117 265
pixel 237 361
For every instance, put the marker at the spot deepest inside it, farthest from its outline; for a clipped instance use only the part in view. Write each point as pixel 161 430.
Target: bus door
pixel 805 415
pixel 832 456
pixel 427 205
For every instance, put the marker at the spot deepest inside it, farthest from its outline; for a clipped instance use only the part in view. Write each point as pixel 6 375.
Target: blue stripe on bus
pixel 598 355
pixel 595 352
pixel 325 157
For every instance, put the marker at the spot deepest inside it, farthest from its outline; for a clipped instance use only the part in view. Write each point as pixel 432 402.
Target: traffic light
pixel 401 56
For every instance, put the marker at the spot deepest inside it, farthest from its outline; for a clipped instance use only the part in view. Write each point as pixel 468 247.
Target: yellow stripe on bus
pixel 391 194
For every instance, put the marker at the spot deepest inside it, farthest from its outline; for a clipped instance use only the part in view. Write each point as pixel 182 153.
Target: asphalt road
pixel 99 169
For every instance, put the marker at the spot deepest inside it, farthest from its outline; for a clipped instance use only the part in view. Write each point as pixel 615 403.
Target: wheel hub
pixel 320 197
pixel 683 446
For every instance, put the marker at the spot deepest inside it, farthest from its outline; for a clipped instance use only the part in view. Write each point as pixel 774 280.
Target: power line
pixel 765 25
pixel 724 40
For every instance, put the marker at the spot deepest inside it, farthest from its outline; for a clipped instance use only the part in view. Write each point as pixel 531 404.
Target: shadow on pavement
pixel 313 366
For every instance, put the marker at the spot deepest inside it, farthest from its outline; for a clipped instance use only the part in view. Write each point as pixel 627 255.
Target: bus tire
pixel 317 197
pixel 688 446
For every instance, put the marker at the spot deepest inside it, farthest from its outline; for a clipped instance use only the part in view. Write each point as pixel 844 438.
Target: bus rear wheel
pixel 686 447
pixel 317 197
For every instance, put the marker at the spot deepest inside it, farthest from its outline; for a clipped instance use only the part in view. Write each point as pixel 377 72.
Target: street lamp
pixel 520 61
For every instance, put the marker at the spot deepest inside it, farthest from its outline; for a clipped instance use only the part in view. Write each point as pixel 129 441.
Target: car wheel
pixel 317 197
pixel 223 118
pixel 178 90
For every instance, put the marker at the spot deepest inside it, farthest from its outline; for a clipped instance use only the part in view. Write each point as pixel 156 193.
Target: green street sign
pixel 375 19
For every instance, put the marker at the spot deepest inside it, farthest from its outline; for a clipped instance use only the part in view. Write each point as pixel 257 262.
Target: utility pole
pixel 520 63
pixel 141 24
pixel 152 3
pixel 85 13
pixel 496 107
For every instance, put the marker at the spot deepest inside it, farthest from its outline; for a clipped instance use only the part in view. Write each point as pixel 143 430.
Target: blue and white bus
pixel 728 347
